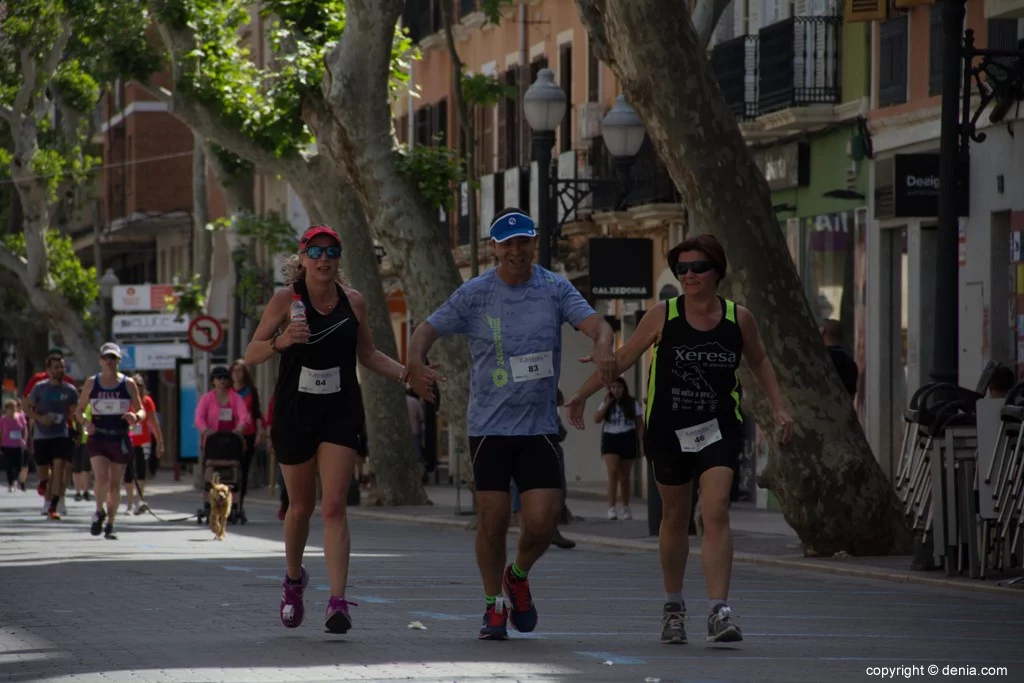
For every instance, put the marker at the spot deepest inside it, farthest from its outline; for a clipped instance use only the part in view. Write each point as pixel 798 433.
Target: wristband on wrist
pixel 403 375
pixel 273 342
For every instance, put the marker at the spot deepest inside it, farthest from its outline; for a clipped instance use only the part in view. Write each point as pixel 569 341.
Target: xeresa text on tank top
pixel 694 393
pixel 317 386
pixel 108 405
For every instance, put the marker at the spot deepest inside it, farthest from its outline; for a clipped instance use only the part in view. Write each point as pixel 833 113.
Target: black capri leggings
pixel 13 459
pixel 247 455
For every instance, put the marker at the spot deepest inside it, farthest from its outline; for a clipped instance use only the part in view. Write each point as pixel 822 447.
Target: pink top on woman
pixel 212 416
pixel 14 431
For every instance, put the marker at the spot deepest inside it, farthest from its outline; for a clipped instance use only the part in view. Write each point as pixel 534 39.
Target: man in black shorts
pixel 49 405
pixel 512 317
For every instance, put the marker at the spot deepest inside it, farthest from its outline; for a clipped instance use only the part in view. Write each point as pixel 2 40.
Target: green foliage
pixel 492 9
pixel 485 91
pixel 437 172
pixel 78 88
pixel 189 298
pixel 76 284
pixel 256 282
pixel 232 164
pixel 264 104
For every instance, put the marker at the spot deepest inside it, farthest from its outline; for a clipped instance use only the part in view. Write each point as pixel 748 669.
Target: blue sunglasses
pixel 316 252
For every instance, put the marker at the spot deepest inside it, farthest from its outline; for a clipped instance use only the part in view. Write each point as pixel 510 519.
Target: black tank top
pixel 108 404
pixel 317 385
pixel 693 382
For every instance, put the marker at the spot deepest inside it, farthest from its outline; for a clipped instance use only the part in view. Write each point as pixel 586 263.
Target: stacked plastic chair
pixel 1000 495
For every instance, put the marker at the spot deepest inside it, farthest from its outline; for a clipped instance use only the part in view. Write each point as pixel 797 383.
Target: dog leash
pixel 150 509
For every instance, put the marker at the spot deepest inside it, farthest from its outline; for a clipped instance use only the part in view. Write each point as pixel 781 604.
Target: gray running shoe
pixel 721 628
pixel 673 624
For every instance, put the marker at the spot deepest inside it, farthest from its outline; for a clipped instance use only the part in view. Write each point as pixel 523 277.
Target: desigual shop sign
pixel 916 186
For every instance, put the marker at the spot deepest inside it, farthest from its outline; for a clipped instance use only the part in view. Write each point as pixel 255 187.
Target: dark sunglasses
pixel 110 356
pixel 697 267
pixel 316 252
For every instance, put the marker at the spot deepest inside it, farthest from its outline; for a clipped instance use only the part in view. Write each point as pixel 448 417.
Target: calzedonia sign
pixel 916 186
pixel 621 268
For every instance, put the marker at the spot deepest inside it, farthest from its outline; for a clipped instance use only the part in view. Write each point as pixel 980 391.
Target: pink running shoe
pixel 338 619
pixel 292 609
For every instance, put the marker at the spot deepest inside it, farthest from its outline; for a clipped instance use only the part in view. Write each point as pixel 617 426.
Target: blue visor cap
pixel 512 225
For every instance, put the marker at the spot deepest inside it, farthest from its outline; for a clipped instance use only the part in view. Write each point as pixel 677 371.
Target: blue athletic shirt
pixel 515 339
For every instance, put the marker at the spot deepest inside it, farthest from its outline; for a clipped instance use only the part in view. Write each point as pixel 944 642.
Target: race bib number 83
pixel 532 366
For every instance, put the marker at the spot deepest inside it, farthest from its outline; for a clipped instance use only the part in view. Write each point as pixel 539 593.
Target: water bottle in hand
pixel 298 310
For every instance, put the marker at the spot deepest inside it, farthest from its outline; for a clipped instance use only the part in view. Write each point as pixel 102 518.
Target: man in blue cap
pixel 512 317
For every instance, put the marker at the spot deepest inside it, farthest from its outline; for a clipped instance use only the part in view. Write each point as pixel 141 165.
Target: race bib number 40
pixel 320 381
pixel 531 366
pixel 697 438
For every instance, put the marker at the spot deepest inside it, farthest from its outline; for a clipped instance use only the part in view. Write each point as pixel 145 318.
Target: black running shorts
pixel 623 445
pixel 48 450
pixel 295 447
pixel 137 467
pixel 80 461
pixel 678 469
pixel 532 461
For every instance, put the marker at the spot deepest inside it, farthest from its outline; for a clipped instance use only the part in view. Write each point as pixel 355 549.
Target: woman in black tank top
pixel 318 416
pixel 693 416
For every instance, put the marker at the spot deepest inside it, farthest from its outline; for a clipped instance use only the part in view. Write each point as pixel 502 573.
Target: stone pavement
pixel 167 603
pixel 759 537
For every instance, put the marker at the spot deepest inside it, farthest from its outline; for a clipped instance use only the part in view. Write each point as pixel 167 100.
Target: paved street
pixel 166 603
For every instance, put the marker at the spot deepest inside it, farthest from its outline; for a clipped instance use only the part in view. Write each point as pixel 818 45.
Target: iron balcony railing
pixel 735 65
pixel 798 63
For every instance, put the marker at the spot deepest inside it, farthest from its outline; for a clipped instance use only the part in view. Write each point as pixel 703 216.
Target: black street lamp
pixel 1003 83
pixel 544 106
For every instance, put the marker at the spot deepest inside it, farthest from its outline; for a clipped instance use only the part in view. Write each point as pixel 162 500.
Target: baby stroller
pixel 222 456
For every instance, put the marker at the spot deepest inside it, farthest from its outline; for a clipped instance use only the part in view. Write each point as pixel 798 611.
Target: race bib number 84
pixel 320 381
pixel 697 438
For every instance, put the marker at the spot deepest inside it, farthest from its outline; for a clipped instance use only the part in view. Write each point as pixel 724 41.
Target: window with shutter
pixel 935 43
pixel 422 130
pixel 892 62
pixel 593 74
pixel 565 78
pixel 440 132
pixel 509 140
pixel 1002 34
pixel 865 10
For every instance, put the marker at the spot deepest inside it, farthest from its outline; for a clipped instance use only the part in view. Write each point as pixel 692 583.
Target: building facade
pixel 903 126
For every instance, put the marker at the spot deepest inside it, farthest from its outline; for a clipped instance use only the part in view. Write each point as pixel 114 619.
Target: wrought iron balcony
pixel 798 63
pixel 735 65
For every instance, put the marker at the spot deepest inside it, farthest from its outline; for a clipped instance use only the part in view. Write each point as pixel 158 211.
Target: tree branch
pixel 201 120
pixel 13 263
pixel 35 80
pixel 457 68
pixel 8 115
pixel 706 16
pixel 28 83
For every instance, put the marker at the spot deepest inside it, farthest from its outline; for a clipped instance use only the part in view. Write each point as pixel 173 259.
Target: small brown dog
pixel 220 507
